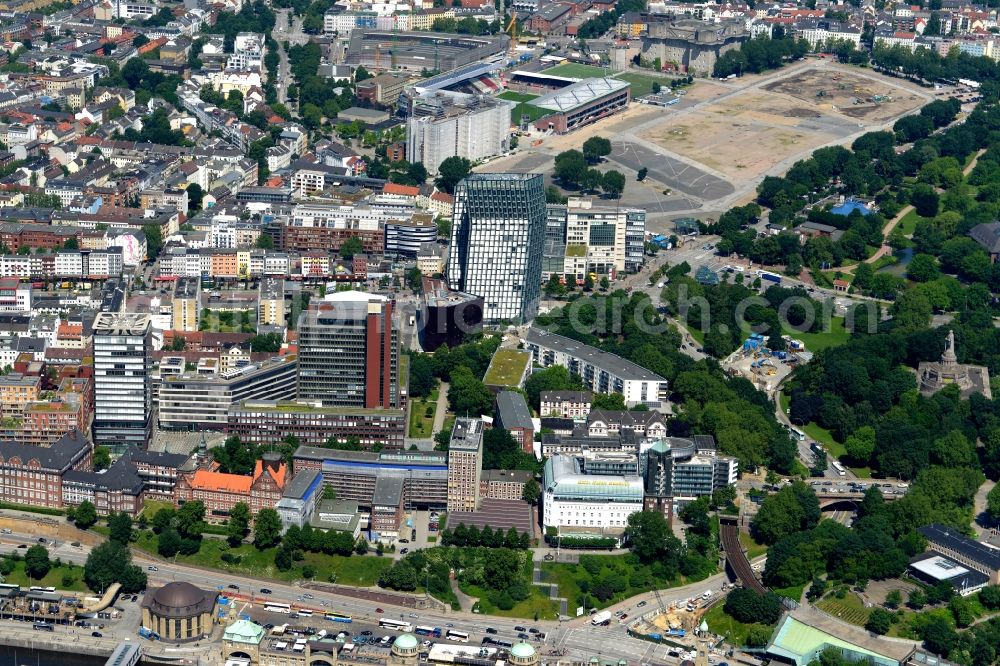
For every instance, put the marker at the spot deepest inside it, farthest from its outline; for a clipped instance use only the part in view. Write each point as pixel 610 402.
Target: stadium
pixel 383 50
pixel 581 103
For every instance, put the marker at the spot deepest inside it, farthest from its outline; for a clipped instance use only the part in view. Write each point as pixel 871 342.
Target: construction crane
pixel 511 30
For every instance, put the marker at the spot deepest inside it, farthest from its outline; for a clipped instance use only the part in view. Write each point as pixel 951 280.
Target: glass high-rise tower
pixel 497 242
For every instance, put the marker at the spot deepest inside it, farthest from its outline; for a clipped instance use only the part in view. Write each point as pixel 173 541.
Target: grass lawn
pixel 722 623
pixel 574 70
pixel 837 335
pixel 54 578
pixel 885 260
pixel 421 424
pixel 151 506
pixel 908 224
pixel 538 606
pixel 814 431
pixel 849 609
pixel 244 321
pixel 794 592
pixel 753 548
pixel 512 96
pixel 642 84
pixel 697 334
pixel 507 367
pixel 359 570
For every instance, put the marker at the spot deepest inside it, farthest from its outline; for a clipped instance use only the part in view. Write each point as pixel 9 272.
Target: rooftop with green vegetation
pixel 507 367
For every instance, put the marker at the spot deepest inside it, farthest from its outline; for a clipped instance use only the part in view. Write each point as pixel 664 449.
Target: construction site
pixel 764 367
pixel 861 97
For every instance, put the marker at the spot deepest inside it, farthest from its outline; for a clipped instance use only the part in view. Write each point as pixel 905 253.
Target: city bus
pixel 499 642
pixel 275 607
pixel 798 434
pixel 459 636
pixel 428 631
pixel 41 589
pixel 42 626
pixel 840 468
pixel 304 612
pixel 338 617
pixel 395 625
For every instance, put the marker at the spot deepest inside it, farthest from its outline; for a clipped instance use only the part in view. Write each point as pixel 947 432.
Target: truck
pixel 770 277
pixel 601 618
pixel 677 633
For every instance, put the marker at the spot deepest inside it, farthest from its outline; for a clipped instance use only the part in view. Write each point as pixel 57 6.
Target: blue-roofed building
pixel 298 502
pixel 849 207
pixel 354 475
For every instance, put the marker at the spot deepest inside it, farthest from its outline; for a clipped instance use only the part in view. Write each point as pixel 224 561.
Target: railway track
pixel 737 559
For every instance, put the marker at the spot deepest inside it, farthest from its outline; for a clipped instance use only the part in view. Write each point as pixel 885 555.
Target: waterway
pixel 11 656
pixel 904 257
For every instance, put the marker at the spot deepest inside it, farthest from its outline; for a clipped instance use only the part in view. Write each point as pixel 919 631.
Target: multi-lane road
pixel 576 636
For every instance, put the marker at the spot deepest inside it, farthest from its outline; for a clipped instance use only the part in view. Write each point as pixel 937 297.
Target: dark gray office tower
pixel 497 242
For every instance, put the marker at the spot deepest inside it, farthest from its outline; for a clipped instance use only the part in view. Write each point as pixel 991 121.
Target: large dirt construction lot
pixel 746 133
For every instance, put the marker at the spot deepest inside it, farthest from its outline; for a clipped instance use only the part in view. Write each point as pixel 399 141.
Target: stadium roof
pixel 457 75
pixel 580 93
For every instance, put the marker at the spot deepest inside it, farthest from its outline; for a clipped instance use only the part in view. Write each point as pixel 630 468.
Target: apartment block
pixel 465 465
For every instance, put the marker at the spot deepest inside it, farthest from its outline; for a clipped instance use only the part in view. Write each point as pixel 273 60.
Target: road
pixel 282 34
pixel 576 636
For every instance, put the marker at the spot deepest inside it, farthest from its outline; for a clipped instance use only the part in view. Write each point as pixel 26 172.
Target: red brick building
pixel 220 492
pixel 33 475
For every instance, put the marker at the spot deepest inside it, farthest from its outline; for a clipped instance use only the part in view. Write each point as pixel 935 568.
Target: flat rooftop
pixel 623 368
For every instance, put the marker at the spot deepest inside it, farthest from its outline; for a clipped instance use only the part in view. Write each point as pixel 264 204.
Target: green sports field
pixel 516 96
pixel 575 71
pixel 523 108
pixel 640 83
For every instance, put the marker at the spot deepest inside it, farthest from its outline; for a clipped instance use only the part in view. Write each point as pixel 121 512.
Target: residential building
pixel 203 400
pixel 444 126
pixel 186 312
pixel 349 352
pixel 122 381
pixel 15 296
pixel 600 371
pixel 514 416
pixel 566 404
pixel 497 241
pixel 271 307
pixel 465 465
pixel 270 422
pixel 220 492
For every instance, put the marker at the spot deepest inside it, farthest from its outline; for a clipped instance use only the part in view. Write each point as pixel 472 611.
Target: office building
pixel 465 465
pixel 583 239
pixel 600 371
pixel 123 396
pixel 503 484
pixel 353 475
pixel 33 475
pixel 447 317
pixel 447 125
pixel 349 352
pixel 676 471
pixel 298 501
pixel 202 400
pixel 270 422
pixel 497 238
pixel 186 310
pixel 976 555
pixel 578 503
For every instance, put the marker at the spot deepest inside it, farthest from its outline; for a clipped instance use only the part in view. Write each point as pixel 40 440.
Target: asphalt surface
pixel 575 636
pixel 670 171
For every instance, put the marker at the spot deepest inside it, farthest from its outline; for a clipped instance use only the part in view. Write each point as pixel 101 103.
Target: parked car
pixel 404 551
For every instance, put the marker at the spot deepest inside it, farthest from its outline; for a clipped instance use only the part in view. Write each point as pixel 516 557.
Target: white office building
pixel 577 502
pixel 497 238
pixel 444 126
pixel 581 238
pixel 123 393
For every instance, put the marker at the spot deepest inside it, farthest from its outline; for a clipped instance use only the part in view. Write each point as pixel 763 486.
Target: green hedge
pixel 32 509
pixel 601 543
